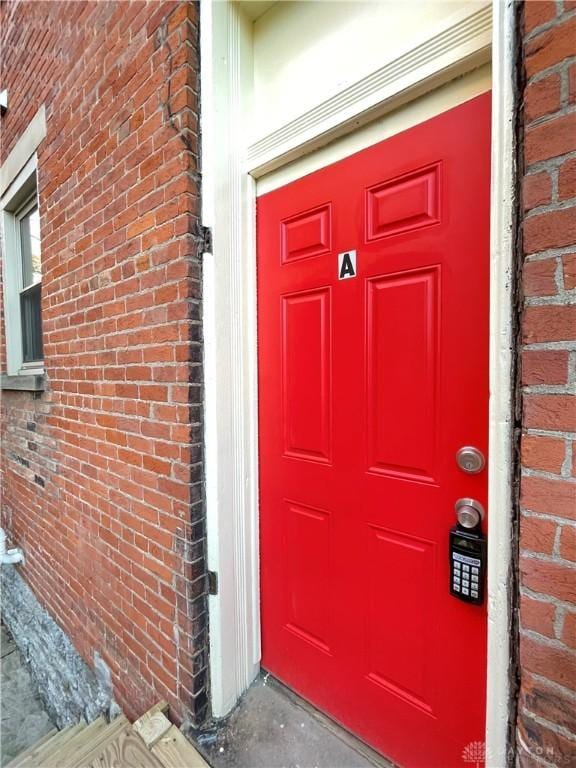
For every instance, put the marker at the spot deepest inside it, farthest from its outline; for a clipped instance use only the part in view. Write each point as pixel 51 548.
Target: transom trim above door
pixel 459 44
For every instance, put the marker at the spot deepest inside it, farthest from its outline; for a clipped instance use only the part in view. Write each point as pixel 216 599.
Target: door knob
pixel 470 460
pixel 469 512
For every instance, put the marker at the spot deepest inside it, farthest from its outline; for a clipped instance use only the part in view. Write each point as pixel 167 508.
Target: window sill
pixel 26 383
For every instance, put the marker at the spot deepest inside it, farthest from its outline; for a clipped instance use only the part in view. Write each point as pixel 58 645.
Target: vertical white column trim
pixel 231 417
pixel 500 464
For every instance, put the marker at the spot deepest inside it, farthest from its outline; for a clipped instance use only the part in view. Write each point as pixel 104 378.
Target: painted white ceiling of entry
pixel 255 8
pixel 306 52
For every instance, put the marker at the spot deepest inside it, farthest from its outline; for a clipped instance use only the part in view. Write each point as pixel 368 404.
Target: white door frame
pixel 230 166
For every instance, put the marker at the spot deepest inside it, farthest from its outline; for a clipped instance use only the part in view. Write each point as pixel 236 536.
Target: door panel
pixel 401 370
pixel 367 388
pixel 307 380
pixel 308 573
pixel 397 660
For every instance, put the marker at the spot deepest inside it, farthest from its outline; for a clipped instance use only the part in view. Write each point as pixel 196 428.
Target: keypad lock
pixel 467 564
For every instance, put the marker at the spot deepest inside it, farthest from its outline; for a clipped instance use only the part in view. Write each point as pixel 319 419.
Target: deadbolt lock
pixel 470 460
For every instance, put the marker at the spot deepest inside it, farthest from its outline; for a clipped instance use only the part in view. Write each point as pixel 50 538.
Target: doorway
pixel 373 330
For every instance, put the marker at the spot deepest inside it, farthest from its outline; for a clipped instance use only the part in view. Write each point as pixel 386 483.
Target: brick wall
pixel 547 706
pixel 102 473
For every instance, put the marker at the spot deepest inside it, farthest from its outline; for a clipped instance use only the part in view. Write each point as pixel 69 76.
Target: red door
pixel 371 376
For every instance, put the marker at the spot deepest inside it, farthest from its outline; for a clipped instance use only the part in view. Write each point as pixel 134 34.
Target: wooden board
pixel 59 757
pixel 151 727
pixel 84 750
pixel 175 751
pixel 152 742
pixel 126 751
pixel 43 752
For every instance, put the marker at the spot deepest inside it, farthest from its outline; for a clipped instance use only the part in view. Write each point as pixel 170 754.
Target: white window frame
pixel 16 202
pixel 19 167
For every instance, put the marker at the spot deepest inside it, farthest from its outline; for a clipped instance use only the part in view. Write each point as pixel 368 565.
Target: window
pixel 22 274
pixel 31 271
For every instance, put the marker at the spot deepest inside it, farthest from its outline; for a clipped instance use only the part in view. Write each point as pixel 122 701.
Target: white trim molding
pixel 230 164
pixel 231 416
pixel 17 173
pixel 19 191
pixel 501 409
pixel 458 45
pixel 23 150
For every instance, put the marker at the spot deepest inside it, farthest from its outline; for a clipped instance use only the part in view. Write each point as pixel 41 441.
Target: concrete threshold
pixel 272 727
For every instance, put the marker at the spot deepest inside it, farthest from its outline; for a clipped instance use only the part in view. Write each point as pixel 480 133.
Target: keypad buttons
pixel 465 572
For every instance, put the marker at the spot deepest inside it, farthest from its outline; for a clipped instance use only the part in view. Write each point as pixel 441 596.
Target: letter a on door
pixel 346 265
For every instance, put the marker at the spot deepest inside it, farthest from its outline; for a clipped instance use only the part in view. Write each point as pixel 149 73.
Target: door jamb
pixel 229 282
pixel 501 468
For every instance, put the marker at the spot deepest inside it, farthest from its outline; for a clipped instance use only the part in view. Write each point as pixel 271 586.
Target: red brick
pixel 550 47
pixel 542 97
pixel 153 392
pixel 550 323
pixel 553 229
pixel 537 535
pixel 551 138
pixel 548 496
pixel 556 412
pixel 555 664
pixel 543 453
pixel 537 615
pixel 569 269
pixel 108 513
pixel 567 179
pixel 548 565
pixel 538 278
pixel 543 366
pixel 537 12
pixel 141 225
pixel 546 742
pixel 568 543
pixel 156 465
pixel 548 702
pixel 569 631
pixel 536 190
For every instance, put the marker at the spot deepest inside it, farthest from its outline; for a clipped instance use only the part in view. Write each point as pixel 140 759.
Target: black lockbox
pixel 467 564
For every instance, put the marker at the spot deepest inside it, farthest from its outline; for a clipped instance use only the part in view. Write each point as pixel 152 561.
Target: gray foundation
pixel 68 688
pixel 24 720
